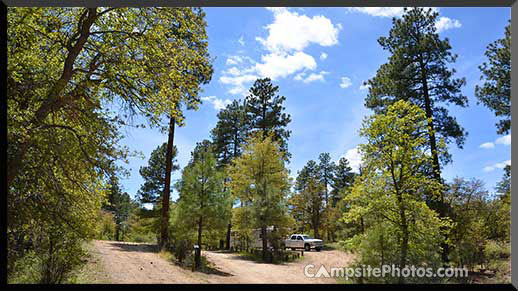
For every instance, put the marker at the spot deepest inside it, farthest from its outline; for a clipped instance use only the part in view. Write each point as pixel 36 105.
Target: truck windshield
pixel 306 237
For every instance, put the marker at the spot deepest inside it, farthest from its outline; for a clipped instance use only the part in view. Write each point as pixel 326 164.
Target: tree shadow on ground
pixel 134 247
pixel 206 268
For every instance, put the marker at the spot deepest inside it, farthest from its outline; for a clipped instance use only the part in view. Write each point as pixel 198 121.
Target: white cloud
pixel 445 23
pixel 288 35
pixel 442 24
pixel 379 11
pixel 293 32
pixel 237 83
pixel 354 157
pixel 241 41
pixel 281 65
pixel 216 102
pixel 383 11
pixel 346 82
pixel 487 145
pixel 314 77
pixel 323 56
pixel 505 140
pixel 364 87
pixel 497 166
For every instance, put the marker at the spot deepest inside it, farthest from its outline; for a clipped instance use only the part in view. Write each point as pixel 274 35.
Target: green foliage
pixel 230 132
pixel 265 112
pixel 308 203
pixel 143 226
pixel 495 93
pixel 468 201
pixel 105 226
pixel 389 196
pixel 204 205
pixel 260 180
pixel 154 175
pixel 418 70
pixel 343 178
pixel 66 67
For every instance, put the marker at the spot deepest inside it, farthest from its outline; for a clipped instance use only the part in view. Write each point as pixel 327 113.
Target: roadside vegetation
pixel 76 76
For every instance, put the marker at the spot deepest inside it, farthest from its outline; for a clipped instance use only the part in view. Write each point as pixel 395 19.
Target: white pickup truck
pixel 302 241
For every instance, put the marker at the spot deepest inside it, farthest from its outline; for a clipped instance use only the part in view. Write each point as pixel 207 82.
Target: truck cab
pixel 303 241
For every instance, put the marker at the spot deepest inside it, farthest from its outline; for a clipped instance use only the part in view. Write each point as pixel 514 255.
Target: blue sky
pixel 319 58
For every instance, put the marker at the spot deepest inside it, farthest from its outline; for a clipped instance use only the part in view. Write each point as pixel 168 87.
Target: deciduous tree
pixel 402 229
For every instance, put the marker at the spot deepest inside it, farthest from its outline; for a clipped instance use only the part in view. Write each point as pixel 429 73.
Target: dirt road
pixel 245 271
pixel 140 263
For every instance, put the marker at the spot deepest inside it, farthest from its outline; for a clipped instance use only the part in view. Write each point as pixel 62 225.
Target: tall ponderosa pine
pixel 230 132
pixel 343 178
pixel 265 112
pixel 326 171
pixel 154 175
pixel 228 137
pixel 418 71
pixel 495 93
pixel 194 68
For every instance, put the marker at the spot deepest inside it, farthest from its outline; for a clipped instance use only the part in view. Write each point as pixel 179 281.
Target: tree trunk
pixel 164 226
pixel 404 239
pixel 54 100
pixel 117 233
pixel 229 229
pixel 197 255
pixel 441 208
pixel 265 242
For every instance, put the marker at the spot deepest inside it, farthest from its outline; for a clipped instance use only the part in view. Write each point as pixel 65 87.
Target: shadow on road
pixel 129 247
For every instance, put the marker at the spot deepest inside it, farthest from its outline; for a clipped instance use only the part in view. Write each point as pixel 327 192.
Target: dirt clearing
pixel 140 263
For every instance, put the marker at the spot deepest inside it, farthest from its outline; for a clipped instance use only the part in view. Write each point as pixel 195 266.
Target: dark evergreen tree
pixel 119 203
pixel 418 70
pixel 326 173
pixel 230 132
pixel 495 93
pixel 154 175
pixel 265 112
pixel 343 178
pixel 228 137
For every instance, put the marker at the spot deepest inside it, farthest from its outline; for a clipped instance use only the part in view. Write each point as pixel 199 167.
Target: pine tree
pixel 260 178
pixel 326 173
pixel 343 178
pixel 203 201
pixel 228 137
pixel 230 132
pixel 265 112
pixel 154 175
pixel 119 203
pixel 418 71
pixel 308 202
pixel 495 93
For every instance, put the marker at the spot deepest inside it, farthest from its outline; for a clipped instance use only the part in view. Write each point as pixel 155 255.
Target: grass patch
pixel 333 246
